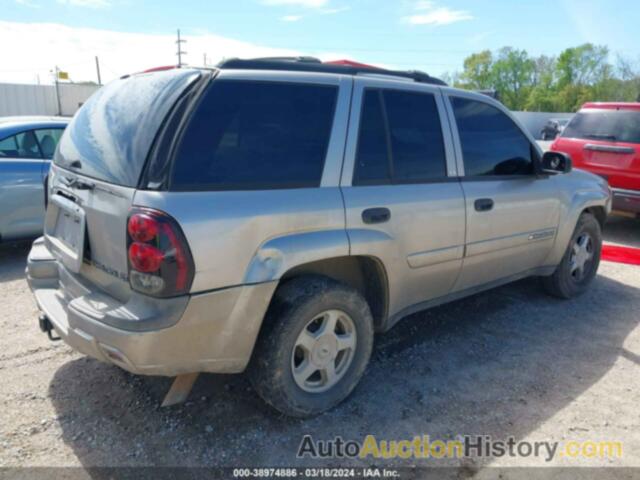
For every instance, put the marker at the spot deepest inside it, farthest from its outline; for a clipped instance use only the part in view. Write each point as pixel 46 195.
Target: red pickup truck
pixel 604 138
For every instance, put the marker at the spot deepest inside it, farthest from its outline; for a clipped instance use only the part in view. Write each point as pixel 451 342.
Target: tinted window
pixel 22 145
pixel 492 144
pixel 249 135
pixel 48 140
pixel 411 150
pixel 614 125
pixel 372 158
pixel 110 136
pixel 416 136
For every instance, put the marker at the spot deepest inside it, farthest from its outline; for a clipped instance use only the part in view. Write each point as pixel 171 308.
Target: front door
pixel 21 187
pixel 512 213
pixel 404 204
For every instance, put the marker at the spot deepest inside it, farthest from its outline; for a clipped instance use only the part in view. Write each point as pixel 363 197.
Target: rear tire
pixel 314 346
pixel 580 262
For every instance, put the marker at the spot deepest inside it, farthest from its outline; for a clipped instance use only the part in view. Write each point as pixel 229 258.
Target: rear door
pixel 512 214
pixel 21 188
pixel 404 203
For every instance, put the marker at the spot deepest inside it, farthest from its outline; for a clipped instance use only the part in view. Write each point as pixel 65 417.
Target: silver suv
pixel 271 215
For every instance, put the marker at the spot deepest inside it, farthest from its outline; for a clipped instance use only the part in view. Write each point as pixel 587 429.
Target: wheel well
pixel 365 274
pixel 600 213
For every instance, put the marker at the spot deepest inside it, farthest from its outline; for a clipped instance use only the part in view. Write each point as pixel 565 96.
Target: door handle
pixel 483 204
pixel 376 215
pixel 609 149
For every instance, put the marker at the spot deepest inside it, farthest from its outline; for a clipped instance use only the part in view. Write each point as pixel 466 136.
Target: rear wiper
pixel 602 136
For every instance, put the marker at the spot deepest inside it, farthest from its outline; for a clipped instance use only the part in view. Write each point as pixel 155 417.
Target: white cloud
pixel 297 3
pixel 423 5
pixel 72 49
pixel 86 3
pixel 291 18
pixel 333 11
pixel 427 13
pixel 27 3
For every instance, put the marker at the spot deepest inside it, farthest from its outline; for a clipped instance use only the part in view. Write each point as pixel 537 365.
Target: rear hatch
pixel 605 141
pixel 96 171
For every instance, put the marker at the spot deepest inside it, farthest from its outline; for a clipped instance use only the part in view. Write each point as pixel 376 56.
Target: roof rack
pixel 311 64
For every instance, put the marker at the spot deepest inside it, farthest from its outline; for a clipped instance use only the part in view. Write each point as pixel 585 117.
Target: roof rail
pixel 311 64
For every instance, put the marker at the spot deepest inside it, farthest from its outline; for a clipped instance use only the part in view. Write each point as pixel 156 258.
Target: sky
pixel 430 35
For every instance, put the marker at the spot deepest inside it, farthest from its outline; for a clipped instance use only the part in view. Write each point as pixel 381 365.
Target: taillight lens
pixel 145 258
pixel 160 262
pixel 142 227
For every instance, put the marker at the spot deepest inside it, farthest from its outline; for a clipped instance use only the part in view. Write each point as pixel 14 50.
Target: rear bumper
pixel 214 332
pixel 626 200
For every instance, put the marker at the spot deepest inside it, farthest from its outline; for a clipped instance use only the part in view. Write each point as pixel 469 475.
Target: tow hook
pixel 45 326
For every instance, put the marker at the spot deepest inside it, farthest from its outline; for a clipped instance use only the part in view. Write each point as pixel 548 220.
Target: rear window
pixel 249 135
pixel 613 125
pixel 110 136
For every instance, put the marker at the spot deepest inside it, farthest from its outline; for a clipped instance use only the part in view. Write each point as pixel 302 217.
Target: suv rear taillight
pixel 159 259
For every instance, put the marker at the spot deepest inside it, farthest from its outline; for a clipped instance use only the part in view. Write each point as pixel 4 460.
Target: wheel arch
pixel 365 274
pixel 583 201
pixel 599 212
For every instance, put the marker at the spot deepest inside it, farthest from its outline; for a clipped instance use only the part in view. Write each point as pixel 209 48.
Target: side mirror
pixel 553 163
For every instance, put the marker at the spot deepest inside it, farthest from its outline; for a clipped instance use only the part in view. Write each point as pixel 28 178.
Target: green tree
pixel 629 74
pixel 543 95
pixel 544 70
pixel 477 73
pixel 584 74
pixel 583 65
pixel 578 75
pixel 513 77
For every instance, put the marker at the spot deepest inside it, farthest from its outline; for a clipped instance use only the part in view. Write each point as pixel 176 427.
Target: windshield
pixel 613 125
pixel 110 136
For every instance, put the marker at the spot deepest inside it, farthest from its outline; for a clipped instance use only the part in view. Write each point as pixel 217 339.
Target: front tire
pixel 314 347
pixel 580 262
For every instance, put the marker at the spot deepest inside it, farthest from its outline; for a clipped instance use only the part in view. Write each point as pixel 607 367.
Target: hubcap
pixel 581 256
pixel 323 351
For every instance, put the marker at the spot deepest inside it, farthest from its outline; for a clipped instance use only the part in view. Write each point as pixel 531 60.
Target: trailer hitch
pixel 47 327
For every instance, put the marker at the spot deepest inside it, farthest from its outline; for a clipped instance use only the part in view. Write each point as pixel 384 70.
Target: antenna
pixel 180 52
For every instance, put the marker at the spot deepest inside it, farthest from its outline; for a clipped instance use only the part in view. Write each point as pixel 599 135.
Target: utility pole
pixel 204 60
pixel 180 52
pixel 98 70
pixel 55 72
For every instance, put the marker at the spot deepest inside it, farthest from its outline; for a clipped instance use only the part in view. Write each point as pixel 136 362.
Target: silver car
pixel 27 145
pixel 271 215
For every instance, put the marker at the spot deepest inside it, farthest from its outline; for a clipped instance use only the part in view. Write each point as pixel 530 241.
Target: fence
pixel 16 99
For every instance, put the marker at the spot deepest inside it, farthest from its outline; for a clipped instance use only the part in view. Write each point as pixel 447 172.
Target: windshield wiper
pixel 602 136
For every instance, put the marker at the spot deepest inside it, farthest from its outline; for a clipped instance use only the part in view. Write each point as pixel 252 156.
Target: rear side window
pixel 373 159
pixel 248 135
pixel 601 124
pixel 400 139
pixel 492 144
pixel 48 139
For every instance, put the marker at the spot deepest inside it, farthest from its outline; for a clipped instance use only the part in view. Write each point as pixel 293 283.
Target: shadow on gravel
pixel 498 363
pixel 13 260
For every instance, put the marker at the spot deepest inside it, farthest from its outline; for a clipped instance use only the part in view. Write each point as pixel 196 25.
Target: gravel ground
pixel 510 362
